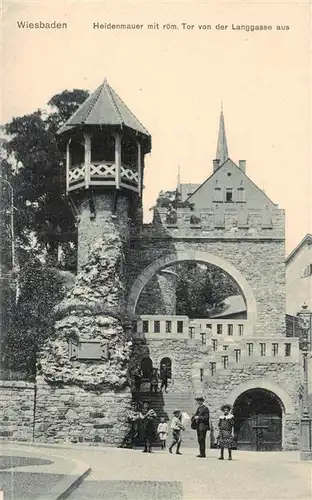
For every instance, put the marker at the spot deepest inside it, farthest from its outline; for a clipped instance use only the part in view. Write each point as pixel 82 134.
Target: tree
pixel 42 210
pixel 43 220
pixel 201 289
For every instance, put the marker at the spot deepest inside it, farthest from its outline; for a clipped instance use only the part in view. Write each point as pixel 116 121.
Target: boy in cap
pixel 177 428
pixel 200 422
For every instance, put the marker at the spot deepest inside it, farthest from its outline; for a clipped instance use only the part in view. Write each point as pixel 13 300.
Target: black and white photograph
pixel 156 250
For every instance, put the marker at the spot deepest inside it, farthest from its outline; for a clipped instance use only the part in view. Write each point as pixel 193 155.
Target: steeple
pixel 179 181
pixel 222 150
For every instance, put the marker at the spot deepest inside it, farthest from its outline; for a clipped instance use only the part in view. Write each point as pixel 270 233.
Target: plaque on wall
pixel 91 350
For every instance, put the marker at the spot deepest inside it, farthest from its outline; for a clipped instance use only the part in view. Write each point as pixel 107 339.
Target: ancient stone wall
pixel 92 313
pixel 261 262
pixel 16 410
pixel 73 414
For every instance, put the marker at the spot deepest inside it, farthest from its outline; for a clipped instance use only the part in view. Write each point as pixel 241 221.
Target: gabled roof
pixel 306 240
pixel 104 107
pixel 233 304
pixel 227 162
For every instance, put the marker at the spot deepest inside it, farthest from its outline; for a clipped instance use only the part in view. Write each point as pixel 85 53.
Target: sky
pixel 174 81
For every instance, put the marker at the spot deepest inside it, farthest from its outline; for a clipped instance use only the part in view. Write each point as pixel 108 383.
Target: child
pixel 177 429
pixel 226 425
pixel 162 431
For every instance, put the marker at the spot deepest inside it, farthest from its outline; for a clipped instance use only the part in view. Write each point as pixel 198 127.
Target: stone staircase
pixel 164 405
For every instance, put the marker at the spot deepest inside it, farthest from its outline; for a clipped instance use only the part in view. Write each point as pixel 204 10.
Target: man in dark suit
pixel 200 422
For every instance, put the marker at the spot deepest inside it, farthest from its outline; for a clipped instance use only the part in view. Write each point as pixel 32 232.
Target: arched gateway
pixel 196 256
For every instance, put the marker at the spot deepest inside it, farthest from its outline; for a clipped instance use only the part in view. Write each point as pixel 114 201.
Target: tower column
pixel 87 137
pixel 68 163
pixel 118 159
pixel 140 168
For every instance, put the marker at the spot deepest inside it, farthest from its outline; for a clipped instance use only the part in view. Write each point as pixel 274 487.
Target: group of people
pixel 154 378
pixel 143 425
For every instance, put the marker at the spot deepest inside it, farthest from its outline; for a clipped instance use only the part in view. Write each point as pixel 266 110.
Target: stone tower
pixel 83 386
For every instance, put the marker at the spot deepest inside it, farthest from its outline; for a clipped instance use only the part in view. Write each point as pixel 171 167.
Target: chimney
pixel 242 165
pixel 216 164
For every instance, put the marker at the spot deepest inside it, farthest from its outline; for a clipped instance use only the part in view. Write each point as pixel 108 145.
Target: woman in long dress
pixel 226 426
pixel 147 416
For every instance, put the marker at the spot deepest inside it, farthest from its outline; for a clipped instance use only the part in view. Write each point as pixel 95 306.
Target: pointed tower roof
pixel 104 107
pixel 222 149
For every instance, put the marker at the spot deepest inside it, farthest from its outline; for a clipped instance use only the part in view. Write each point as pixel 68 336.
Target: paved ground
pixel 129 475
pixel 119 474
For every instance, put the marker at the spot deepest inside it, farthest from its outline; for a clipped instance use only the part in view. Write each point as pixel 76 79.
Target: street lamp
pixel 304 319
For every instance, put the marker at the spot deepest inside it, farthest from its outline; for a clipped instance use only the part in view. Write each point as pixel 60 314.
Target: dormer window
pixel 229 195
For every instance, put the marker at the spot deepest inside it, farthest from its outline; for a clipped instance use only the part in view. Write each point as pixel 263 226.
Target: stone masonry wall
pixel 73 414
pixel 16 410
pixel 261 263
pixel 92 312
pixel 182 356
pixel 218 389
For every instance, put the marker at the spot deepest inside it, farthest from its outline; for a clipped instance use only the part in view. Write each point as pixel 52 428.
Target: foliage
pixel 41 288
pixel 201 289
pixel 172 199
pixel 34 166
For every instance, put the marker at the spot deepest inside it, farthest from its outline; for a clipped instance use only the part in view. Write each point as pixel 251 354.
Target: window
pixel 241 195
pixel 168 326
pixel 201 374
pixel 287 349
pixel 262 349
pixel 229 195
pixel 203 338
pixel 225 347
pixel 145 326
pixel 250 348
pixel 219 329
pixel 237 355
pixel 156 326
pixel 214 343
pixel 307 271
pixel 208 325
pixel 180 326
pixel 135 327
pixel 275 349
pixel 230 329
pixel 191 332
pixel 240 329
pixel 225 361
pixel 217 195
pixel 213 367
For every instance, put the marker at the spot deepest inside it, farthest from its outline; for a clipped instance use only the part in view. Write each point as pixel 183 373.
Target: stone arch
pixel 198 256
pixel 263 383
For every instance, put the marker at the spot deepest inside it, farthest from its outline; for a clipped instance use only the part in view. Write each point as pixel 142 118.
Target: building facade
pixel 122 308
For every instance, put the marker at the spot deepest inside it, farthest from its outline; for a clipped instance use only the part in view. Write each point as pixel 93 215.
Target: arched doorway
pixel 258 420
pixel 168 363
pixel 147 367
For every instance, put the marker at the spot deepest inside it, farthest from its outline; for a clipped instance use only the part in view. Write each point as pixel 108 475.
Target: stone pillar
pixel 87 398
pixel 167 285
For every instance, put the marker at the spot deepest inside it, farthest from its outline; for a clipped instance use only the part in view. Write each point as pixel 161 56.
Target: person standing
pixel 154 380
pixel 200 422
pixel 131 437
pixel 162 431
pixel 138 375
pixel 177 428
pixel 226 425
pixel 147 416
pixel 164 377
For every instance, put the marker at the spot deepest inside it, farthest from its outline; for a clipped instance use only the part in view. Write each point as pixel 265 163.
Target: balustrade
pixel 102 173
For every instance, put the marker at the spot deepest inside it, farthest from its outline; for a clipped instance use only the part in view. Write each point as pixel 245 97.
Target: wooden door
pixel 260 433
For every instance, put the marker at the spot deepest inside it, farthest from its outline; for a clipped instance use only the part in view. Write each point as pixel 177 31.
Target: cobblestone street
pixel 127 474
